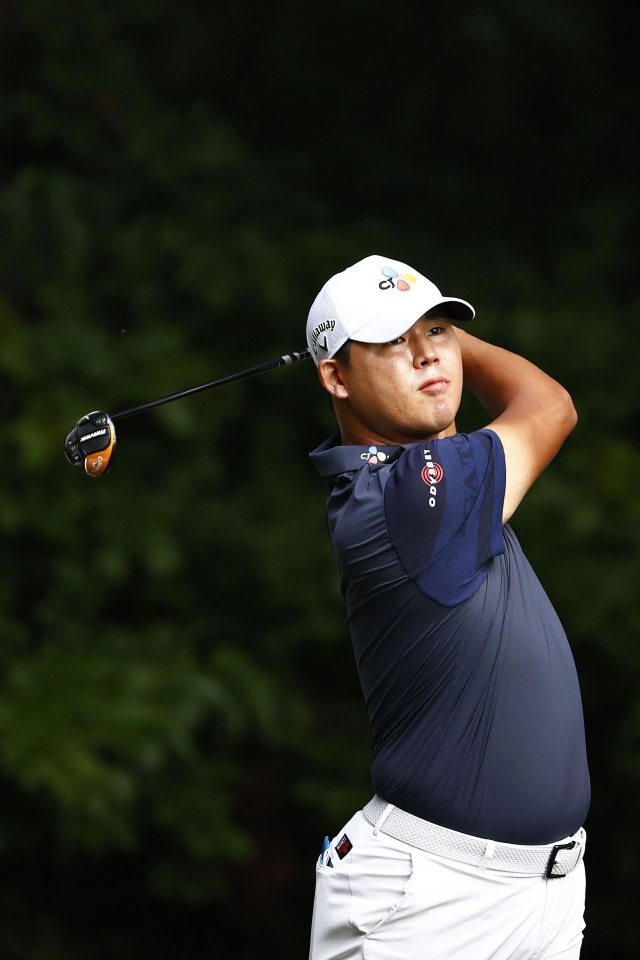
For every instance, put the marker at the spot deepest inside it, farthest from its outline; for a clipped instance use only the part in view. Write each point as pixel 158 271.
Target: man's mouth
pixel 435 385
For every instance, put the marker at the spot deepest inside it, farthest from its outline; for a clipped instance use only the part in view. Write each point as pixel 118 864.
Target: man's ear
pixel 330 374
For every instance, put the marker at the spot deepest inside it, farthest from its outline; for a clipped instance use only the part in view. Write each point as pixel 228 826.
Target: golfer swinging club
pixel 472 846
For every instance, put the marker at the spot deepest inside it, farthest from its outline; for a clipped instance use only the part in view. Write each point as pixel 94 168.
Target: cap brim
pixel 388 327
pixel 458 310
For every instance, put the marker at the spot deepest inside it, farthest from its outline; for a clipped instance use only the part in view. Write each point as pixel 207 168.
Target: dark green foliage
pixel 180 716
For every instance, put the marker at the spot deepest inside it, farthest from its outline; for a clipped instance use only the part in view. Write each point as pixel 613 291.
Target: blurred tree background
pixel 180 715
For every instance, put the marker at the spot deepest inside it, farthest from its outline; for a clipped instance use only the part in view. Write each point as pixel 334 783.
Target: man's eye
pixel 436 330
pixel 397 340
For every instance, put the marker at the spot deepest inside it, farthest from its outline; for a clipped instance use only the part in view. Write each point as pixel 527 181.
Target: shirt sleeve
pixel 443 504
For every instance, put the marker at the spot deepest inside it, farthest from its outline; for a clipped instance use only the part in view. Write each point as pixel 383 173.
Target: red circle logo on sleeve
pixel 432 473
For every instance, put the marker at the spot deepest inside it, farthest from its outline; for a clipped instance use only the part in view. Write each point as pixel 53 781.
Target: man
pixel 472 847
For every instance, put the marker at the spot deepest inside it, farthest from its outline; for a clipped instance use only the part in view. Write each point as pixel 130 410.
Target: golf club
pixel 91 443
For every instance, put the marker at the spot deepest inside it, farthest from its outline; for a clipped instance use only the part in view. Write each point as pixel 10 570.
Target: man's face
pixel 402 391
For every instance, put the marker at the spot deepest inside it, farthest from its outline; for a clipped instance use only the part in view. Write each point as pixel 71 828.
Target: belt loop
pixel 383 816
pixel 487 856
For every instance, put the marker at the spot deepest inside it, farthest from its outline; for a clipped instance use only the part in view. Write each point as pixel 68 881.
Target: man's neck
pixel 365 438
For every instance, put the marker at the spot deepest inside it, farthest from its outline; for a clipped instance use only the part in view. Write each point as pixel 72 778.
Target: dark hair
pixel 344 353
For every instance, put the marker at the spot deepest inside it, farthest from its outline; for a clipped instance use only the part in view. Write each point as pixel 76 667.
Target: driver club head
pixel 91 443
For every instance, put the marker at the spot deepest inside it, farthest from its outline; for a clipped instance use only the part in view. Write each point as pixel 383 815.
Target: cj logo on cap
pixel 403 280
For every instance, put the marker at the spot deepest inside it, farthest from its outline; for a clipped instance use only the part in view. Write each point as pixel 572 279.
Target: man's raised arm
pixel 533 413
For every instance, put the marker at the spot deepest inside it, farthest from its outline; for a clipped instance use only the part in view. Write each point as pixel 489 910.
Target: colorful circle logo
pixel 373 455
pixel 403 281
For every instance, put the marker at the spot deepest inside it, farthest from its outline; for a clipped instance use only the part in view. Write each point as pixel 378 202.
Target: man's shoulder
pixel 333 458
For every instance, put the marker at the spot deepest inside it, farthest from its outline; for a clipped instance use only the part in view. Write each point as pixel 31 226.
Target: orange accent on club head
pixel 97 464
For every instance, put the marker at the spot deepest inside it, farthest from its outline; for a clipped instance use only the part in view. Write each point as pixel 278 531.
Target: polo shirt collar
pixel 332 458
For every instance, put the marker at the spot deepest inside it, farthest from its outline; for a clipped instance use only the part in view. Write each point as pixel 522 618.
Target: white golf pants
pixel 387 900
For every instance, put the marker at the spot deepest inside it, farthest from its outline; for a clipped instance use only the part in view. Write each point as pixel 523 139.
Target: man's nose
pixel 425 352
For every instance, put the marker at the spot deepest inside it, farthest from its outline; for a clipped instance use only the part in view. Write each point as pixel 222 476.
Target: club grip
pixel 289 358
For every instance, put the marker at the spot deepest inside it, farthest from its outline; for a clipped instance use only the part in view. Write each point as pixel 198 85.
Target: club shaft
pixel 285 360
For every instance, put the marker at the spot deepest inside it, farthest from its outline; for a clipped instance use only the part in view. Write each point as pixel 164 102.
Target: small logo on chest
pixel 343 846
pixel 373 455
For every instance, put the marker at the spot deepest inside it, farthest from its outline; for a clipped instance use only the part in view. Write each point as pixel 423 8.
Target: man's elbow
pixel 567 415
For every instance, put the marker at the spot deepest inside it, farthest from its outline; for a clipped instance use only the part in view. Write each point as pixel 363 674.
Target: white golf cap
pixel 374 301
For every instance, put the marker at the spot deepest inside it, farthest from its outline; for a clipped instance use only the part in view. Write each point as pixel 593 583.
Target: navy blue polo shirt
pixel 469 681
